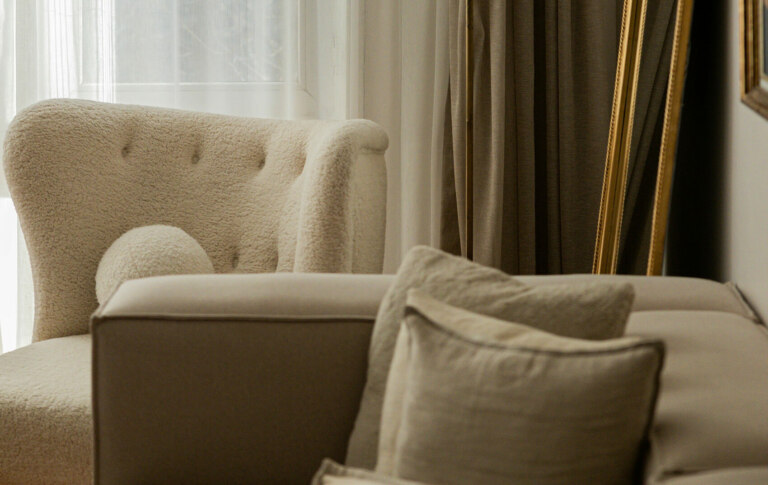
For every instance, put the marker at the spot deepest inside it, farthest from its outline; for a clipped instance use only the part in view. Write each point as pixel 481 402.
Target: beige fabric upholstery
pixel 474 399
pixel 731 476
pixel 331 473
pixel 241 293
pixel 260 375
pixel 671 293
pixel 258 195
pixel 149 251
pixel 243 387
pixel 713 410
pixel 262 297
pixel 45 413
pixel 588 309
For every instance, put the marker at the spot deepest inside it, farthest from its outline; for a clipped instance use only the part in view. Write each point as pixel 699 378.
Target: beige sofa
pixel 257 378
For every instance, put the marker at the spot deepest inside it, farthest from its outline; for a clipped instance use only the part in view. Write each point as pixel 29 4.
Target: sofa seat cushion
pixel 713 408
pixel 731 476
pixel 45 412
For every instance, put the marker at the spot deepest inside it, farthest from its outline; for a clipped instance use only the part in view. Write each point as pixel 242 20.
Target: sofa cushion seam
pixel 695 310
pixel 235 317
pixel 735 291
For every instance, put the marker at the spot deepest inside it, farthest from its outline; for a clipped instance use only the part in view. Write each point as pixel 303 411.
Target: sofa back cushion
pixel 713 410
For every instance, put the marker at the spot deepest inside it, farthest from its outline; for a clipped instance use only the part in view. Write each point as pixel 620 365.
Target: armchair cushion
pixel 46 431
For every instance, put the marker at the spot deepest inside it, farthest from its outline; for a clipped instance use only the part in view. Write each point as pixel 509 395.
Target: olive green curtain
pixel 543 81
pixel 544 74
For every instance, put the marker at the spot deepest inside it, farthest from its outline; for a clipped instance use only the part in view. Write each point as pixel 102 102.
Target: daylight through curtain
pixel 260 58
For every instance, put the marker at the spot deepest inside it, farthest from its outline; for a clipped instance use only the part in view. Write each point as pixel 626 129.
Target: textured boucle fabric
pixel 258 195
pixel 149 251
pixel 46 429
pixel 586 310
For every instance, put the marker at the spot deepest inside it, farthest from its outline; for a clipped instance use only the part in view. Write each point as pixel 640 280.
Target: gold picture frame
pixel 754 66
pixel 612 201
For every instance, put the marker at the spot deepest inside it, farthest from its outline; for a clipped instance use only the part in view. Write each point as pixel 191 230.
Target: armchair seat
pixel 46 429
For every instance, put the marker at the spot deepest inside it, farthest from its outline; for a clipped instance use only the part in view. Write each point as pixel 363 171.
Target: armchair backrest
pixel 258 195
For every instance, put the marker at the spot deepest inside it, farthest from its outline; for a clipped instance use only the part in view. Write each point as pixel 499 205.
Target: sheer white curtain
pixel 264 58
pixel 406 87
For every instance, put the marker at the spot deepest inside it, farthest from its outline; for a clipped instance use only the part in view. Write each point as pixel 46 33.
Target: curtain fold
pixel 544 74
pixel 405 88
pixel 424 79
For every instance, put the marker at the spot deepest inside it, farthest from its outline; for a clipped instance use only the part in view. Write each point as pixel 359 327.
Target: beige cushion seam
pixel 664 475
pixel 696 310
pixel 237 318
pixel 734 289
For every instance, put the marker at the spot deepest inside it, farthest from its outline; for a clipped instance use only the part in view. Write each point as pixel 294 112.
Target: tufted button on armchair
pixel 258 195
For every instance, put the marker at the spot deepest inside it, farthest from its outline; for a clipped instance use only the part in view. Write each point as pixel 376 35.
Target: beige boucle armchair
pixel 258 195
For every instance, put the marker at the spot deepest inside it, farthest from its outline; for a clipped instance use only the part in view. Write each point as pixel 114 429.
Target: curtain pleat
pixel 544 73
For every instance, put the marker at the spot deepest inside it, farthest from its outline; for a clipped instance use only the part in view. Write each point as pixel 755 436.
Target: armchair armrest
pixel 229 378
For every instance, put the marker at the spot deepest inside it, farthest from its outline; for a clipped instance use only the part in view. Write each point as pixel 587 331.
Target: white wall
pixel 745 183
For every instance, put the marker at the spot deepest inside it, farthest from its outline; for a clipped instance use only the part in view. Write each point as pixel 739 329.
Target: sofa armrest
pixel 229 378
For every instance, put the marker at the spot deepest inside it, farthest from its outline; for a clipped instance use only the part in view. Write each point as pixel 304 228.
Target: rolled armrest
pixel 229 378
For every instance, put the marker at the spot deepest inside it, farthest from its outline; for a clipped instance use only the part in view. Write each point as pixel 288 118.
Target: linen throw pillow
pixel 480 400
pixel 584 310
pixel 331 473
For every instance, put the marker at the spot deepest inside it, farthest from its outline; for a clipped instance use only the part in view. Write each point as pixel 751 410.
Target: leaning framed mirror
pixel 642 141
pixel 754 55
